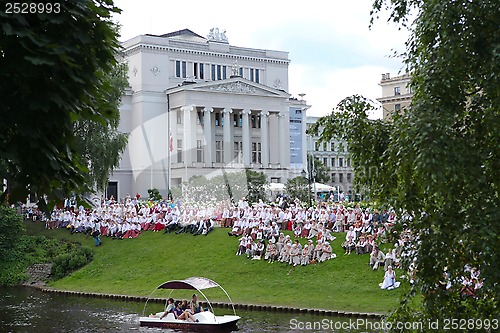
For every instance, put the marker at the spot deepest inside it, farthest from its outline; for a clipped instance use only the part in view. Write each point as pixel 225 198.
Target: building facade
pixel 335 156
pixel 200 106
pixel 396 93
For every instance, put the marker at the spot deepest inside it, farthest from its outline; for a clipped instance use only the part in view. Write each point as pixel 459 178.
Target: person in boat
pixel 169 308
pixel 194 305
pixel 179 313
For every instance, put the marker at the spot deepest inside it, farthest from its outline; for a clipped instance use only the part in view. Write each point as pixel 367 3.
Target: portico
pixel 242 127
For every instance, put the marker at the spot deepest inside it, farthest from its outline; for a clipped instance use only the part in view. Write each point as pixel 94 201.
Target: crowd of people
pixel 283 231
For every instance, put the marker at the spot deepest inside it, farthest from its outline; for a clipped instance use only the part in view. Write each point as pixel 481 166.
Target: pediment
pixel 238 86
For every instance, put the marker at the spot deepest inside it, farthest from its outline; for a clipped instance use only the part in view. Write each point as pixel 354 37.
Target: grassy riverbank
pixel 137 266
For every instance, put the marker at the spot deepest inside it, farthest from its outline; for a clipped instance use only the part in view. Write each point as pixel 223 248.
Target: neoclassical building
pixel 396 93
pixel 335 155
pixel 200 106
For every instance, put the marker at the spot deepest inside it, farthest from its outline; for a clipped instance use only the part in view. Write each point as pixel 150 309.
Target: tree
pixel 100 144
pixel 322 171
pixel 439 159
pixel 299 188
pixel 256 182
pixel 53 75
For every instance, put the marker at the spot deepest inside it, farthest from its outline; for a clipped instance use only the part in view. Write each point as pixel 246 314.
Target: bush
pixel 66 263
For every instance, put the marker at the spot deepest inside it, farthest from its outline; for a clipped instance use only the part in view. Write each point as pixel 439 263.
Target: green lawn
pixel 137 266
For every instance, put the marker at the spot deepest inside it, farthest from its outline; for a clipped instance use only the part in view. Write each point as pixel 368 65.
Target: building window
pixel 213 72
pixel 325 161
pixel 397 107
pixel 341 162
pixel 332 146
pixel 349 178
pixel 177 68
pixel 251 74
pixel 217 119
pixel 257 78
pixel 348 162
pixel 241 71
pixel 397 90
pixel 333 177
pixel 316 146
pixel 219 152
pixel 333 162
pixel 199 118
pixel 202 72
pixel 341 177
pixel 236 117
pixel 199 151
pixel 195 70
pixel 341 147
pixel 238 152
pixel 184 69
pixel 179 151
pixel 224 72
pixel 254 121
pixel 219 72
pixel 179 117
pixel 256 152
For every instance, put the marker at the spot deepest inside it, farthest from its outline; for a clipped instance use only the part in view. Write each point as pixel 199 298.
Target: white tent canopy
pixel 322 187
pixel 275 187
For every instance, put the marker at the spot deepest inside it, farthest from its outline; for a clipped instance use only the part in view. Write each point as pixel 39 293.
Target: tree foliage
pixel 100 144
pixel 299 188
pixel 439 159
pixel 53 75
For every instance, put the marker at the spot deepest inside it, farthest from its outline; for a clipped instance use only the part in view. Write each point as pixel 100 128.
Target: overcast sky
pixel 333 52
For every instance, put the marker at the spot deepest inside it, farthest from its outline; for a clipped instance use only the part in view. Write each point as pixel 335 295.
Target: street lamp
pixel 303 174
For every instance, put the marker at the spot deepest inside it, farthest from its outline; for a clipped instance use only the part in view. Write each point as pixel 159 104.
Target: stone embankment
pixel 255 307
pixel 38 274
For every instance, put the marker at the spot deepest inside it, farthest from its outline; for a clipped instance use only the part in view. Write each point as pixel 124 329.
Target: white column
pixel 282 139
pixel 264 137
pixel 245 137
pixel 189 132
pixel 228 137
pixel 207 132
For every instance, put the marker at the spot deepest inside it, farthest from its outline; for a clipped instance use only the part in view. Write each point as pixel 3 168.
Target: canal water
pixel 29 310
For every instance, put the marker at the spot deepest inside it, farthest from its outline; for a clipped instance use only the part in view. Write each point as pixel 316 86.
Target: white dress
pixel 389 282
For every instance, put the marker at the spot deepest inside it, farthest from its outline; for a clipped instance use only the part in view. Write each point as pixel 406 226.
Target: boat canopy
pixel 198 283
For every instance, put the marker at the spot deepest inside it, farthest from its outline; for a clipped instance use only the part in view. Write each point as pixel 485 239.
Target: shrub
pixel 66 263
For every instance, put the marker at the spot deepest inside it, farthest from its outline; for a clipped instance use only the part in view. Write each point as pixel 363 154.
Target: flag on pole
pixel 171 142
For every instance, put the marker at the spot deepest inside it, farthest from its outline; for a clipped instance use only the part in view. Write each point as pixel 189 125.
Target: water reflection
pixel 29 310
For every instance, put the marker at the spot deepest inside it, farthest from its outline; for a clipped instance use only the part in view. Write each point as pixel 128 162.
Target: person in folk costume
pixel 310 249
pixel 361 245
pixel 251 247
pixel 259 250
pixel 351 233
pixel 242 246
pixel 271 251
pixel 285 253
pixel 304 259
pixel 370 243
pixel 294 255
pixel 280 243
pixel 340 220
pixel 332 218
pixel 327 252
pixel 313 232
pixel 298 230
pixel 377 257
pixel 318 250
pixel 305 229
pixel 389 281
pixel 349 245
